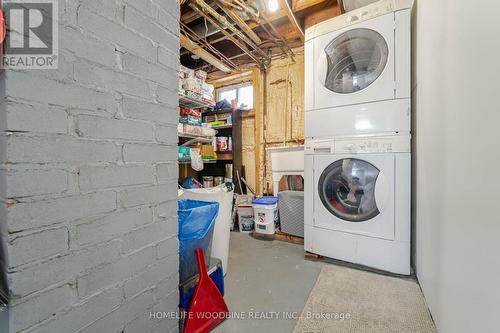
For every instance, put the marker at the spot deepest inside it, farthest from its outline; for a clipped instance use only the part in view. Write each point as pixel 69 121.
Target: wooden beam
pixel 291 16
pixel 323 15
pixel 240 22
pixel 223 21
pixel 205 55
pixel 222 80
pixel 258 78
pixel 192 15
pixel 298 5
pixel 225 32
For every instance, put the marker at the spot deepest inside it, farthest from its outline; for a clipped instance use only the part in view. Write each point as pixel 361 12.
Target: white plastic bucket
pixel 222 228
pixel 265 217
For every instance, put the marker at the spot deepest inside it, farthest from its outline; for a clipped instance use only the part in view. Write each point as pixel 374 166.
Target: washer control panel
pixel 359 145
pixel 363 146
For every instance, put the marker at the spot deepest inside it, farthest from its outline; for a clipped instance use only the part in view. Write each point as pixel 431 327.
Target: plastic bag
pixel 196 160
pixel 196 226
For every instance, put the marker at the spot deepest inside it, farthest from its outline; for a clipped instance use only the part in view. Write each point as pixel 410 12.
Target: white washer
pixel 357 72
pixel 357 200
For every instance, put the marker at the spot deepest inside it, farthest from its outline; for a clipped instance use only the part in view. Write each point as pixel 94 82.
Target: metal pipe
pixel 239 21
pixel 233 39
pixel 225 22
pixel 190 33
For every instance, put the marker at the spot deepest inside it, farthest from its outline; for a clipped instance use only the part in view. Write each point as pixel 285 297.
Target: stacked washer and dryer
pixel 357 128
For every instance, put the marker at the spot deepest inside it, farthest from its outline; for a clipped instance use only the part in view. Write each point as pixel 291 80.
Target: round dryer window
pixel 355 60
pixel 347 189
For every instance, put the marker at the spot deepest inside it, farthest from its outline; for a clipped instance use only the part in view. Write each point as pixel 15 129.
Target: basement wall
pixel 284 117
pixel 88 174
pixel 456 161
pixel 282 124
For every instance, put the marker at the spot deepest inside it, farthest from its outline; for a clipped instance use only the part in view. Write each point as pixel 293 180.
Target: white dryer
pixel 358 65
pixel 357 202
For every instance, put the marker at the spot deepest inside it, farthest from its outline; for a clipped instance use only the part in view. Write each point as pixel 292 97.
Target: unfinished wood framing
pixel 293 20
pixel 241 23
pixel 259 104
pixel 272 58
pixel 205 55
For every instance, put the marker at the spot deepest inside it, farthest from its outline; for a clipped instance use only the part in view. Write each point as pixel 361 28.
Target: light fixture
pixel 195 57
pixel 272 5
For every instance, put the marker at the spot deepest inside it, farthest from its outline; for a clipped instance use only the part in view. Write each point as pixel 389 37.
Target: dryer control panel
pixel 359 145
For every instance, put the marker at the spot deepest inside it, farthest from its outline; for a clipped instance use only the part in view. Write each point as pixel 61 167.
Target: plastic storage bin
pixel 224 196
pixel 265 214
pixel 196 226
pixel 291 212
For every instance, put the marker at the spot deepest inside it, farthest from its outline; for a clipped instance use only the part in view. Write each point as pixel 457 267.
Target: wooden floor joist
pixel 205 55
pixel 291 16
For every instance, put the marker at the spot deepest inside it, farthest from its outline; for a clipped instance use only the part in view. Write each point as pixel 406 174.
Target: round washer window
pixel 347 189
pixel 355 60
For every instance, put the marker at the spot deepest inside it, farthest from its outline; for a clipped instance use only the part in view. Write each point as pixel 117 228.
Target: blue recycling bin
pixel 196 227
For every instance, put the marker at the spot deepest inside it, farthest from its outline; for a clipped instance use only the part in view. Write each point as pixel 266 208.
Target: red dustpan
pixel 207 308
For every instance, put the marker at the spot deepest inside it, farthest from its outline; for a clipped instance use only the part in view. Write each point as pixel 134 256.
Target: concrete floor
pixel 266 276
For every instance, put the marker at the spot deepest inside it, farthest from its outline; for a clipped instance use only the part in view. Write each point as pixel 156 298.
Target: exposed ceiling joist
pixel 241 23
pixel 227 34
pixel 296 5
pixel 291 16
pixel 207 9
pixel 205 55
pixel 259 35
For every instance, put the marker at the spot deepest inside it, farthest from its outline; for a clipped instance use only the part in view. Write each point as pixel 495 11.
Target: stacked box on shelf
pixel 207 152
pixel 192 84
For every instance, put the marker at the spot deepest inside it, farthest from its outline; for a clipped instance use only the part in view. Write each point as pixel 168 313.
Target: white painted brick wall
pixel 28 248
pixel 115 176
pixel 88 173
pixel 138 109
pixel 34 118
pixel 106 128
pixel 29 182
pixel 110 226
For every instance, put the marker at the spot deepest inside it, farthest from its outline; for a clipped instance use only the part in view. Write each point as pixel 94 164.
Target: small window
pixel 242 93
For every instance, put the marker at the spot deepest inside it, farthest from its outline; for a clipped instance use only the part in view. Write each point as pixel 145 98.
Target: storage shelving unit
pixel 213 167
pixel 192 103
pixel 192 139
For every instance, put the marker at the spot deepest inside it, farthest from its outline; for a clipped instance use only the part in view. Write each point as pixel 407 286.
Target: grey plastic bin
pixel 291 210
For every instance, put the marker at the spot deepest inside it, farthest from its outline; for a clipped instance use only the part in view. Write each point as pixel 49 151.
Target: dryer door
pixel 356 64
pixel 355 194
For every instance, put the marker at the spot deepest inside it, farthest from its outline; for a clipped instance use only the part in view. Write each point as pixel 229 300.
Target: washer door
pixel 347 189
pixel 355 194
pixel 355 65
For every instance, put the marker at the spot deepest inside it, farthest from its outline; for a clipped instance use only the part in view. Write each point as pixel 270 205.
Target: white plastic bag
pixel 196 160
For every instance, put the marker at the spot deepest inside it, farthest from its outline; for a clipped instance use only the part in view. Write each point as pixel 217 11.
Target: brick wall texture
pixel 88 174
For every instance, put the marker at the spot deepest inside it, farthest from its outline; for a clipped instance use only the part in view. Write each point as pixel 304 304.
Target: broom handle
pixel 200 258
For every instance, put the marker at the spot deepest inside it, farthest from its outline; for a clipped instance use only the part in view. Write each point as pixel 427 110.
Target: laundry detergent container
pixel 265 210
pixel 291 212
pixel 222 227
pixel 196 226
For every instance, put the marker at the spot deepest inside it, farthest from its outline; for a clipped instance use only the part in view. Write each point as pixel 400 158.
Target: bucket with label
pixel 265 211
